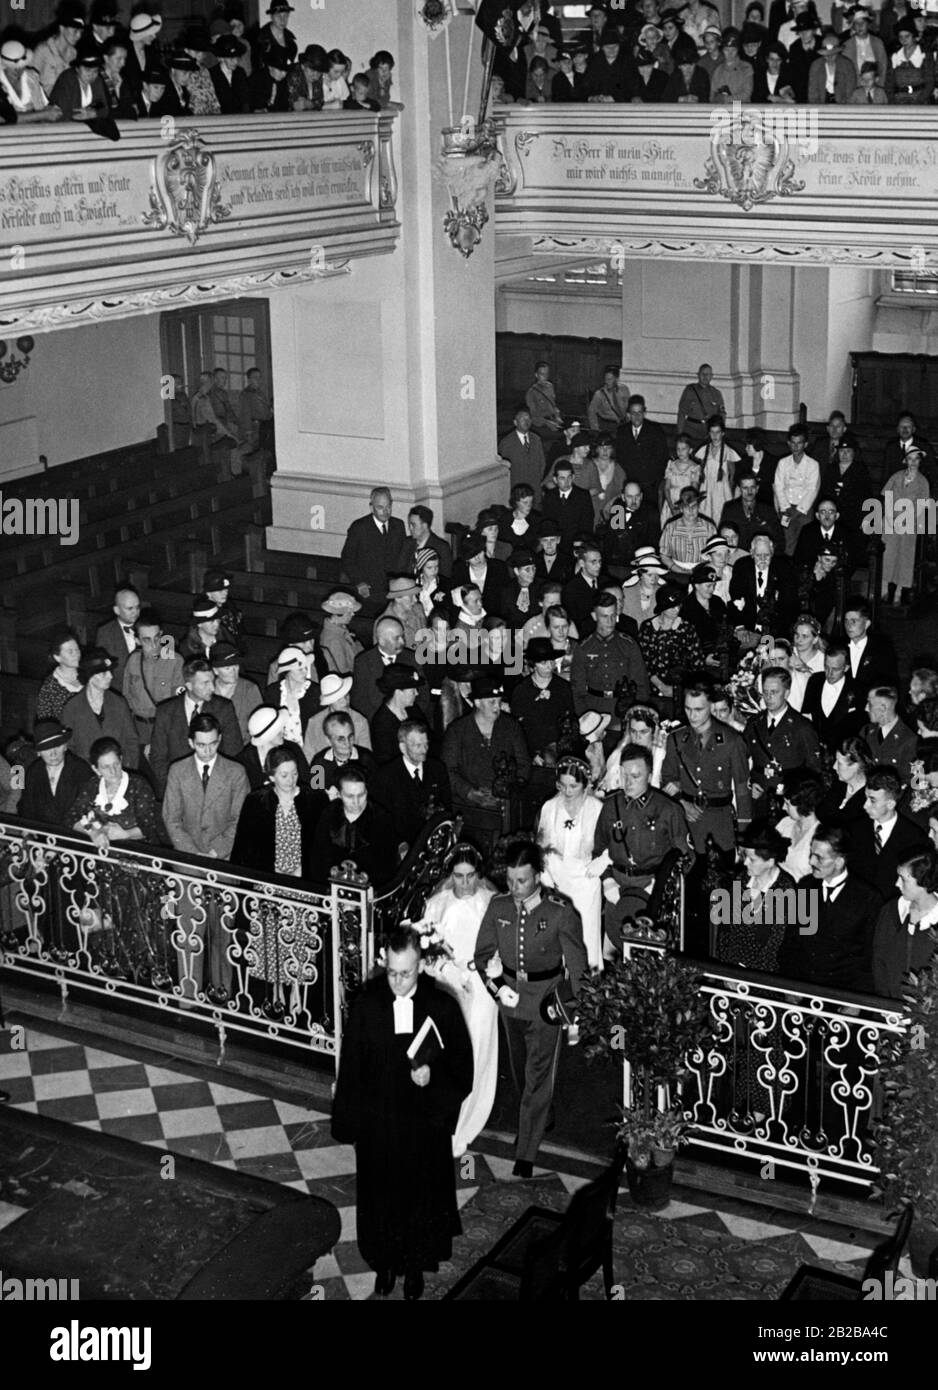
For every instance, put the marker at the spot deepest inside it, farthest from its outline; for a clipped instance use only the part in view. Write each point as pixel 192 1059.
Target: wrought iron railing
pixel 250 955
pixel 791 1079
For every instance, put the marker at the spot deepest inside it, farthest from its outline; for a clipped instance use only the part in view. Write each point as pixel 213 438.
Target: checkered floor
pixel 177 1108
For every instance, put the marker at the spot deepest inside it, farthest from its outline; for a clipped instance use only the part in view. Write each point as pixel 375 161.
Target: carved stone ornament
pixel 749 164
pixel 718 249
pixel 185 198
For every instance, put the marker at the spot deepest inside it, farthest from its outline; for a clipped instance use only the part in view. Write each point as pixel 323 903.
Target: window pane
pixel 218 323
pixel 234 325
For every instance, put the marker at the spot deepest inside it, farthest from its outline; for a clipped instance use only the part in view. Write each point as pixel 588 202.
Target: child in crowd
pixel 868 92
pixel 359 99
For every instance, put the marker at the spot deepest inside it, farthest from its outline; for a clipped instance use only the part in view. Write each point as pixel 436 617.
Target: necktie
pixel 197 707
pixel 524 440
pixel 760 583
pixel 384 528
pixel 878 836
pixel 826 891
pixel 869 97
pixel 417 774
pixel 204 778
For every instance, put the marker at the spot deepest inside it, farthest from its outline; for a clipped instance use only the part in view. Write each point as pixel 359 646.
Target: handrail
pixel 791 1078
pixel 252 953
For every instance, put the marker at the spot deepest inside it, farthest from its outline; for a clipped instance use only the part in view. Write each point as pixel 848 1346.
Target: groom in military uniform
pixel 531 939
pixel 637 828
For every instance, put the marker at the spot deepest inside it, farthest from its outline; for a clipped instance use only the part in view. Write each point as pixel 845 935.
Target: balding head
pixel 389 636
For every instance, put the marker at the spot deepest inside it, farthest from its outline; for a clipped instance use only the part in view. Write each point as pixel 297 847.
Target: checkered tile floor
pixel 179 1110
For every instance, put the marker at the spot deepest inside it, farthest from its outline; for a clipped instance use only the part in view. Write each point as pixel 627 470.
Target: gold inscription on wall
pixel 78 203
pixel 591 165
pixel 70 203
pixel 321 179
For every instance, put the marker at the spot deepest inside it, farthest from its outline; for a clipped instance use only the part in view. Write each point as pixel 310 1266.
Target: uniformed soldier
pixel 637 827
pixel 778 739
pixel 706 767
pixel 603 659
pixel 526 940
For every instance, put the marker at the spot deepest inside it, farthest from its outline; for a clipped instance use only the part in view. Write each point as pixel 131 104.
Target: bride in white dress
pixel 565 831
pixel 457 909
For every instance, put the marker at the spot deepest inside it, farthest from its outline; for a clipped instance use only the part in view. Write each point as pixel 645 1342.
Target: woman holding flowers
pixel 449 929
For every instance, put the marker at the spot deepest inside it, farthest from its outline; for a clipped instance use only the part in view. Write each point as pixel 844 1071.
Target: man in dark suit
pixel 763 590
pixel 423 537
pixel 872 656
pixel 632 523
pixel 825 529
pixel 117 636
pixel 908 437
pixel 169 740
pixel 366 697
pixel 408 785
pixel 891 741
pixel 831 945
pixel 569 506
pixel 54 780
pixel 831 701
pixel 525 452
pixel 826 447
pixel 641 448
pixel 757 463
pixel 750 516
pixel 373 549
pixel 779 736
pixel 580 595
pixel 886 839
pixel 201 805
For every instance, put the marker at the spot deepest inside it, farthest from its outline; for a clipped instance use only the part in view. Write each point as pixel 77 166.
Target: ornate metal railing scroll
pixel 250 956
pixel 791 1079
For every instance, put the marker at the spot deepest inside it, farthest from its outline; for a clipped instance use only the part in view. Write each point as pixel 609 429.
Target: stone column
pixel 386 373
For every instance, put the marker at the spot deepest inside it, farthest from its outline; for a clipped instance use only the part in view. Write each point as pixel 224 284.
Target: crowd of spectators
pixel 95 68
pixel 646 52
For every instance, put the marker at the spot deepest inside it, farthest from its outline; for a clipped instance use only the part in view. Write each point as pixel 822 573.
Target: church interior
pixel 394 276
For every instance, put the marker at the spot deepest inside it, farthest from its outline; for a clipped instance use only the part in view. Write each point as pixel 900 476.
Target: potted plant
pixel 650 1011
pixel 907 1129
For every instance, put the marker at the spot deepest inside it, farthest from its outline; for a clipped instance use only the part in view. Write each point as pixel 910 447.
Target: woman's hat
pixel 261 721
pixel 214 580
pixel 397 676
pixel 701 574
pixel 487 687
pixel 291 659
pixel 49 733
pixel 333 687
pixel 540 649
pixel 422 555
pixel 339 602
pixel 227 46
pixel 668 596
pixel 593 725
pixel 204 608
pixel 715 543
pixel 546 527
pixel 224 654
pixel 297 627
pixel 472 543
pixel 97 660
pixel 519 558
pixel 402 584
pixel 143 23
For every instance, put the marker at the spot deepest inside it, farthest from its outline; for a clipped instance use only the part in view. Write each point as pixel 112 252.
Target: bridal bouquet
pixel 743 685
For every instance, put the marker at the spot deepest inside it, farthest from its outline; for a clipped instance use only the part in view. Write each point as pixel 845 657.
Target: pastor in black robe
pixel 403 1133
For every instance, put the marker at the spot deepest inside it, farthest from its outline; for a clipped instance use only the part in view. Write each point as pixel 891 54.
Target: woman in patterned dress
pixel 682 471
pixel 275 836
pixel 669 643
pixel 123 921
pixel 62 682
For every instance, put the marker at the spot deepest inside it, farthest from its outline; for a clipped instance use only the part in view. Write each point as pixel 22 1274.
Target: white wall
pixel 835 314
pixel 90 389
pixel 586 317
